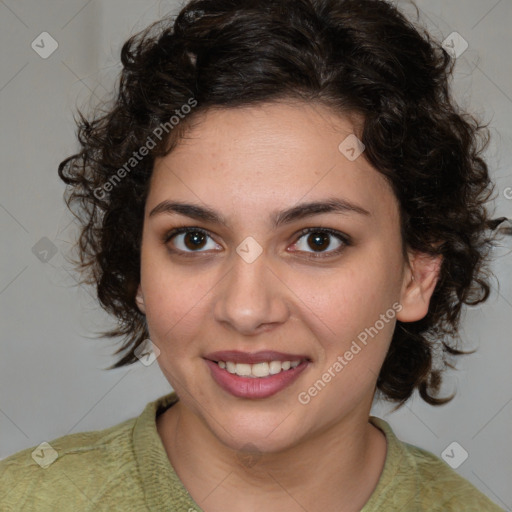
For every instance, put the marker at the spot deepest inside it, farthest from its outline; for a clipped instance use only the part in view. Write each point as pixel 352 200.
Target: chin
pixel 254 434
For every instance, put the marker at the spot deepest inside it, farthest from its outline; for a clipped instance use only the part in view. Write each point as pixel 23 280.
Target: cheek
pixel 347 300
pixel 174 298
pixel 173 311
pixel 345 316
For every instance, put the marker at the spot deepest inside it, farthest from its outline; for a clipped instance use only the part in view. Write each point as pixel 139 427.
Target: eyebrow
pixel 300 211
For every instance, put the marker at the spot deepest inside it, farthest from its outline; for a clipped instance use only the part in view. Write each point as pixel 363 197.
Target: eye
pixel 320 239
pixel 189 239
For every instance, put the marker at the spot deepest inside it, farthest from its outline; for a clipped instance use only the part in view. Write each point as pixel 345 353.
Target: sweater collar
pixel 163 489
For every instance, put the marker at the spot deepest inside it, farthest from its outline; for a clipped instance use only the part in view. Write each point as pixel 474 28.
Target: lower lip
pixel 254 387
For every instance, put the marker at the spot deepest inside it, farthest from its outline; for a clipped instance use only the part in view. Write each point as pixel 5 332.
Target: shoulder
pixel 419 479
pixel 75 468
pixel 442 485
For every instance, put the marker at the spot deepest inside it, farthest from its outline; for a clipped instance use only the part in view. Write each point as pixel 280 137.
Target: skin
pixel 247 163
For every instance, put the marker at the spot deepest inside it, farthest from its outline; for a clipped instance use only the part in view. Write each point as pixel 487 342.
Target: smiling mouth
pixel 258 370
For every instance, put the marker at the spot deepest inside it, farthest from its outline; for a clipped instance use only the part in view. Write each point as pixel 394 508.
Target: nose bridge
pixel 251 295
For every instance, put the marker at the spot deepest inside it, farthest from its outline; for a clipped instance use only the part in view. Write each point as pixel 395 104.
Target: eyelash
pixel 345 239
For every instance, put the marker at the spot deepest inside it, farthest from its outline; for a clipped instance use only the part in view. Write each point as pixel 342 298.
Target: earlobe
pixel 139 299
pixel 419 284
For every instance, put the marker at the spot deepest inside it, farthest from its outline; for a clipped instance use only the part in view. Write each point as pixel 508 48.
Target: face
pixel 304 286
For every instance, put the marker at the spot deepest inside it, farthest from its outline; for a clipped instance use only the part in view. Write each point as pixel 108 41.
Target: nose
pixel 251 298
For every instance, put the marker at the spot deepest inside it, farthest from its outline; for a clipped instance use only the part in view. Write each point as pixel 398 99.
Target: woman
pixel 286 201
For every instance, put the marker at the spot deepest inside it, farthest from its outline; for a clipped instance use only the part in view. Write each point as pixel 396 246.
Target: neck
pixel 335 469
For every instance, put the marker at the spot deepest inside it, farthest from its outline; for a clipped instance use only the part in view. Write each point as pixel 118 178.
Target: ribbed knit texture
pixel 126 468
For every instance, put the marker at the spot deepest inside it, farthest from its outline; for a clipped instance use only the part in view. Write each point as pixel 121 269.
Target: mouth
pixel 258 370
pixel 256 365
pixel 255 375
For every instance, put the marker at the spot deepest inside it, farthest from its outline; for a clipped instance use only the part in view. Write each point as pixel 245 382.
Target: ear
pixel 139 299
pixel 420 279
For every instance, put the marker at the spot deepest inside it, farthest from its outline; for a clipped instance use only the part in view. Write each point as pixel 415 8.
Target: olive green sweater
pixel 125 467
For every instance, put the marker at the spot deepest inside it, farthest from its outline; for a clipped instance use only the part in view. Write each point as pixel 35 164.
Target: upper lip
pixel 255 357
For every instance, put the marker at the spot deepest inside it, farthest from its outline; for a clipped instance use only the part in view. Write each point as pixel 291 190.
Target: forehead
pixel 268 156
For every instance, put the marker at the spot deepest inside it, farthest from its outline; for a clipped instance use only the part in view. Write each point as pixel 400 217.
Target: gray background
pixel 51 377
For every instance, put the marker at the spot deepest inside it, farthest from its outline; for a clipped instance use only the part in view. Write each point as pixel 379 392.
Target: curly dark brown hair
pixel 354 56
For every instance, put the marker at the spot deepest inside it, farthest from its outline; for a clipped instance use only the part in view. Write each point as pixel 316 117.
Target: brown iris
pixel 196 238
pixel 317 240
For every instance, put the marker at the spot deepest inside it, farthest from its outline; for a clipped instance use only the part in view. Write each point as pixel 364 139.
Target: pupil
pixel 197 239
pixel 318 237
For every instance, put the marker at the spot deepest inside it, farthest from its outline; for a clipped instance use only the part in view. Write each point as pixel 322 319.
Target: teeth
pixel 258 369
pixel 243 369
pixel 275 367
